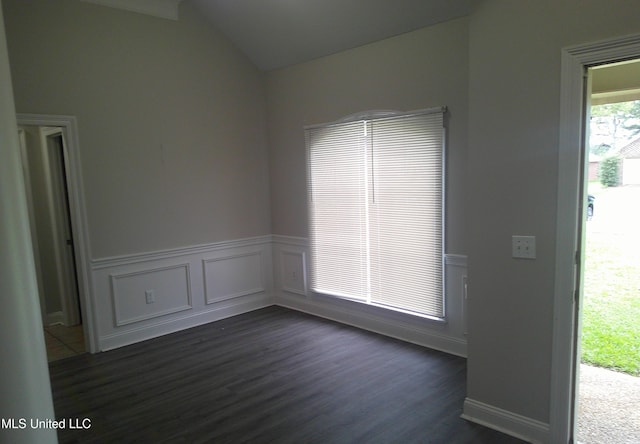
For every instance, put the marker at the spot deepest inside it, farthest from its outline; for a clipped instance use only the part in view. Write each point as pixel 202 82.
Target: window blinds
pixel 376 210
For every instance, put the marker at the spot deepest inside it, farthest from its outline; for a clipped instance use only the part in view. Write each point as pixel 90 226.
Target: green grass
pixel 611 303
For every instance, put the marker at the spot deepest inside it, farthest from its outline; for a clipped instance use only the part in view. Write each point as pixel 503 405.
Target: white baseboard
pixel 519 426
pixel 387 324
pixel 120 339
pixel 56 317
pixel 291 290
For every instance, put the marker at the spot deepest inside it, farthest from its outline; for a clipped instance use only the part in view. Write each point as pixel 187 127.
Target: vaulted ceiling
pixel 279 33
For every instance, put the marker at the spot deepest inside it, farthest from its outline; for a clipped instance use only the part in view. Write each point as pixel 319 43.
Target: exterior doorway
pixel 570 224
pixel 609 383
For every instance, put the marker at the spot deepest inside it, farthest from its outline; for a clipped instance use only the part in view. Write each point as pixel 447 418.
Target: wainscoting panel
pixel 291 290
pixel 150 294
pixel 233 276
pixel 293 271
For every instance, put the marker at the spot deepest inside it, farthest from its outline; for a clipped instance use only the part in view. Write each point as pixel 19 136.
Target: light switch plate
pixel 523 247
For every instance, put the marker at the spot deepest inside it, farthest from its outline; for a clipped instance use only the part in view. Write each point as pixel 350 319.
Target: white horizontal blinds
pixel 376 211
pixel 337 207
pixel 406 213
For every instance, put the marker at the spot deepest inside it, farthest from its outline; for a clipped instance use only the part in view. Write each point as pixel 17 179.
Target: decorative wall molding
pixel 293 241
pixel 167 9
pixel 507 422
pixel 190 286
pixel 293 271
pixel 232 276
pixel 455 260
pixel 251 272
pixel 170 287
pixel 186 320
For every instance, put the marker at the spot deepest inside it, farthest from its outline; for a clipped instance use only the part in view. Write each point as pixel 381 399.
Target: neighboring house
pixel 630 163
pixel 594 166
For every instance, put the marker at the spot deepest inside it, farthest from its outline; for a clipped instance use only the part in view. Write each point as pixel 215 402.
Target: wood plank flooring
pixel 272 375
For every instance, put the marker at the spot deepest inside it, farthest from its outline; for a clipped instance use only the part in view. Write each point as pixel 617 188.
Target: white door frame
pixel 32 220
pixel 79 226
pixel 564 364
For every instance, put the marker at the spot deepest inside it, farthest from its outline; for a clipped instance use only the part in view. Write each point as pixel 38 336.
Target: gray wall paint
pixel 171 119
pixel 514 77
pixel 25 388
pixel 421 69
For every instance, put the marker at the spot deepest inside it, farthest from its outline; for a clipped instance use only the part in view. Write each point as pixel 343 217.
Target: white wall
pixel 630 171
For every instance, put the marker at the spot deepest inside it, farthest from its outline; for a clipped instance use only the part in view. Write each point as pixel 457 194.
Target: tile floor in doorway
pixel 63 342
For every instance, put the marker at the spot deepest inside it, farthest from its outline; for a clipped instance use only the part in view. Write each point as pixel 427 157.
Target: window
pixel 375 190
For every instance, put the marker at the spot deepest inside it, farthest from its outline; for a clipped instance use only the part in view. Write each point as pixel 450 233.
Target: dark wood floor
pixel 273 375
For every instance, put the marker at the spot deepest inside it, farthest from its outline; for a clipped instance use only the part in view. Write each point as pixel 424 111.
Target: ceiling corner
pixel 167 9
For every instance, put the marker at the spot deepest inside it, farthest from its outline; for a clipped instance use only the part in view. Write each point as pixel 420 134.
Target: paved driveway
pixel 617 211
pixel 608 409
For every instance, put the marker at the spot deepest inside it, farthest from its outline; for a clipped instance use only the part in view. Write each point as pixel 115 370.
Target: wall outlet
pixel 523 247
pixel 150 296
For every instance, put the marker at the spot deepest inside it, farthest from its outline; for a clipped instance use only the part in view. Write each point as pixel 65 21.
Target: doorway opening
pixel 570 221
pixel 53 186
pixel 47 190
pixel 609 372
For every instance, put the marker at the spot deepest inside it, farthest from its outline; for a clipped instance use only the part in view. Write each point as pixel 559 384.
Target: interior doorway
pixel 608 382
pixel 42 150
pixel 60 135
pixel 47 190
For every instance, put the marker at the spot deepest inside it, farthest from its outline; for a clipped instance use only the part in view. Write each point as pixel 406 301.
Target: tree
pixel 614 124
pixel 601 149
pixel 634 126
pixel 609 171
